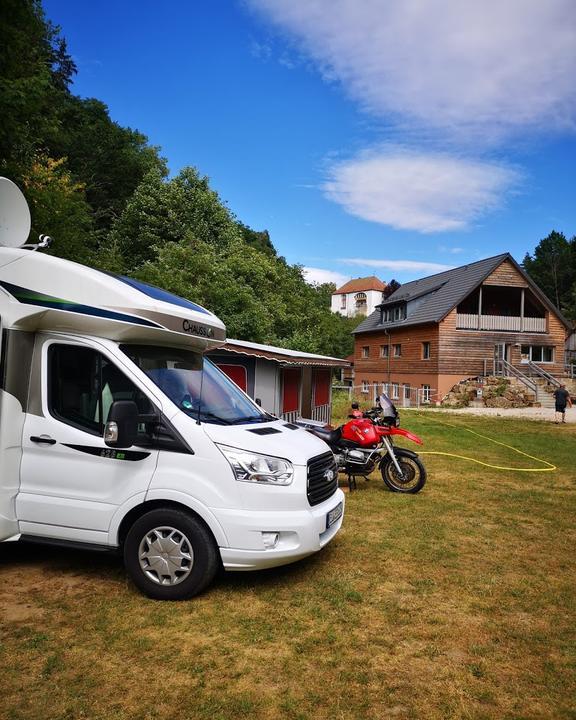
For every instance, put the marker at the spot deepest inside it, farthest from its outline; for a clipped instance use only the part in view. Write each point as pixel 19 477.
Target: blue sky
pixel 386 137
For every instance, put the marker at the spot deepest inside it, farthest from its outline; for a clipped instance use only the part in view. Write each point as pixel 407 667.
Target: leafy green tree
pixel 110 160
pixel 35 71
pixel 553 269
pixel 58 208
pixel 258 238
pixel 162 212
pixel 177 234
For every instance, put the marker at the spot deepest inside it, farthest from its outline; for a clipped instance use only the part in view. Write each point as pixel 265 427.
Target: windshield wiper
pixel 204 414
pixel 253 418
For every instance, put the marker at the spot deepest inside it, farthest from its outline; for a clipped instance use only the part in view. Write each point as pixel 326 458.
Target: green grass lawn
pixel 454 603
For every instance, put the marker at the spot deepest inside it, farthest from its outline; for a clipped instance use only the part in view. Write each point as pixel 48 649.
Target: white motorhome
pixel 116 432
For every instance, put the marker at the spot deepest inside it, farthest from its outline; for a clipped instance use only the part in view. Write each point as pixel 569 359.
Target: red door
pixel 237 373
pixel 321 387
pixel 290 390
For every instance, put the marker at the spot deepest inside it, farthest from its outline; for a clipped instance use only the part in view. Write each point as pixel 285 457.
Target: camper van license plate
pixel 334 515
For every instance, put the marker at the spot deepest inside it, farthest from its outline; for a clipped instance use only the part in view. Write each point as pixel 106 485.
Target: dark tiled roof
pixel 444 290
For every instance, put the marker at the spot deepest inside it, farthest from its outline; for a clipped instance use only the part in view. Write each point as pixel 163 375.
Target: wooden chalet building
pixel 484 317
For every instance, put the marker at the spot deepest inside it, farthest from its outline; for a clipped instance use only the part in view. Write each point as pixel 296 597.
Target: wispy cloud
pixel 319 275
pixel 448 75
pixel 450 250
pixel 427 192
pixel 397 265
pixel 488 66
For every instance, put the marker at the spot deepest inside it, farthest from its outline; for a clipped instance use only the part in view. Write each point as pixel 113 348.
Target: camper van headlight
pixel 256 468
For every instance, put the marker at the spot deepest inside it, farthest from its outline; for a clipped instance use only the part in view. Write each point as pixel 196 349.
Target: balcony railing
pixel 500 322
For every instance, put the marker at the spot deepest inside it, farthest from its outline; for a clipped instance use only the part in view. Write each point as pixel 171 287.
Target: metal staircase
pixel 539 382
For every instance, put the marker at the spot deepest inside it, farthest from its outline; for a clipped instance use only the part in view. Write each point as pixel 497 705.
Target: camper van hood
pixel 274 438
pixel 48 293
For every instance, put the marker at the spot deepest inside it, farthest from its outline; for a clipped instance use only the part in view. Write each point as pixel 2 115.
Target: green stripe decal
pixel 30 297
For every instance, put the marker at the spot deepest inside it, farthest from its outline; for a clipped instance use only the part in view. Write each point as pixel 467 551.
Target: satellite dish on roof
pixel 14 215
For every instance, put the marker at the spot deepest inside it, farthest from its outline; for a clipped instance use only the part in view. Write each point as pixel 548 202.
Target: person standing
pixel 561 398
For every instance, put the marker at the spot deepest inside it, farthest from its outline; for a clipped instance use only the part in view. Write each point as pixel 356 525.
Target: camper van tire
pixel 170 555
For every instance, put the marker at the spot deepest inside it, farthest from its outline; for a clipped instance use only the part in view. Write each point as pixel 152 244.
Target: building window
pixel 406 392
pixel 395 391
pixel 365 386
pixel 537 353
pixel 397 350
pixel 343 302
pixel 384 351
pixel 426 393
pixel 425 351
pixel 366 351
pixel 394 314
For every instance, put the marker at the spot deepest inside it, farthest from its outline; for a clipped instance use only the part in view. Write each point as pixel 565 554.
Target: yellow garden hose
pixel 549 467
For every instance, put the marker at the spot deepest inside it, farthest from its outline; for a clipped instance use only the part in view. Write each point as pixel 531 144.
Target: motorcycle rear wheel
pixel 413 471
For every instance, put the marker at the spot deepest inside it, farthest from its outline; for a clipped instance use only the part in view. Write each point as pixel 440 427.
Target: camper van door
pixel 71 483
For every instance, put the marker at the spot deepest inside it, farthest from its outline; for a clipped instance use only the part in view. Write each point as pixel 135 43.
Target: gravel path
pixel 531 413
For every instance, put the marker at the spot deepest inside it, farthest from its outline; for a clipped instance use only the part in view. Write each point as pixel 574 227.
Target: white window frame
pixel 426 393
pixel 397 350
pixel 395 391
pixel 541 348
pixel 365 351
pixel 365 386
pixel 384 351
pixel 426 350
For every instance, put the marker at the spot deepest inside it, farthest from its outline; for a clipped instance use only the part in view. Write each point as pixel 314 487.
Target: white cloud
pixel 398 265
pixel 450 250
pixel 319 275
pixel 427 192
pixel 480 67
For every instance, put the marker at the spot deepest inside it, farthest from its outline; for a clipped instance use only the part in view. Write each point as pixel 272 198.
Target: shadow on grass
pixel 109 566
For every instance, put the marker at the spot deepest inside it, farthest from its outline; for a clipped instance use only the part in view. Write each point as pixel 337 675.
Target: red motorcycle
pixel 365 443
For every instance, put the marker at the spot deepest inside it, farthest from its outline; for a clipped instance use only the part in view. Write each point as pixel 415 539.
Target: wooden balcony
pixel 500 322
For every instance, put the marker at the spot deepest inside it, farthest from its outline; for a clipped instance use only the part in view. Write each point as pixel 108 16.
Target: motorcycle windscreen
pixel 387 406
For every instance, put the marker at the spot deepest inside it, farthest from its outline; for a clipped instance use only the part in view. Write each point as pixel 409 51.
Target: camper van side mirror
pixel 121 429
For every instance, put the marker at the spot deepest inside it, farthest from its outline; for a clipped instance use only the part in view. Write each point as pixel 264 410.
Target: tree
pixel 390 288
pixel 161 212
pixel 258 238
pixel 58 208
pixel 35 71
pixel 553 269
pixel 110 160
pixel 177 234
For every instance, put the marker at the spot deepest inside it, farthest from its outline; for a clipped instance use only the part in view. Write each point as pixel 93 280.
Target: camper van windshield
pixel 178 373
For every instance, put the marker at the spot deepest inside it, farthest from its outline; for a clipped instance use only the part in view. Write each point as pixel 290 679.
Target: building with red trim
pixel 286 383
pixel 358 297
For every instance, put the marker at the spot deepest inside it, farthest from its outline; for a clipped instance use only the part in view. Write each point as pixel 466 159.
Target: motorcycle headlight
pixel 255 468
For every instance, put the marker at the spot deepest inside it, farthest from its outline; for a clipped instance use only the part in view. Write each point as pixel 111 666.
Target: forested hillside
pixel 103 192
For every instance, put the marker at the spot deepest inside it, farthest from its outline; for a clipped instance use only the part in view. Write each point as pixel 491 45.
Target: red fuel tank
pixel 361 431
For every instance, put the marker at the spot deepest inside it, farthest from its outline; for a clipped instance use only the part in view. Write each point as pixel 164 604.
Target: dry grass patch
pixel 455 603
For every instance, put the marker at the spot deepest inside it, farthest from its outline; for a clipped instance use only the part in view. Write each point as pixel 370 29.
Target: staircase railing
pixel 510 370
pixel 540 372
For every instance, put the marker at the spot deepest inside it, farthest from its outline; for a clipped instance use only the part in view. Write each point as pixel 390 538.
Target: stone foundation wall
pixel 496 392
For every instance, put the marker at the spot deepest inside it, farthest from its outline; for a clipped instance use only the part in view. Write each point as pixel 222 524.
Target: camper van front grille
pixel 322 478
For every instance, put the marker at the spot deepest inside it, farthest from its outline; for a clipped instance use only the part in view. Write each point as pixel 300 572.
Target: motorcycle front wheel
pixel 413 476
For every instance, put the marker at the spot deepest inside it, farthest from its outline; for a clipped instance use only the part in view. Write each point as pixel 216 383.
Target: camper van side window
pixel 82 386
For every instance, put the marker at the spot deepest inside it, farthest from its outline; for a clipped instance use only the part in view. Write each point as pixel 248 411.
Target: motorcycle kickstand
pixel 351 482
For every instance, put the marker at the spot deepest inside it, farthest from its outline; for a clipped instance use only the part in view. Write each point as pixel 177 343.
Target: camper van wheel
pixel 170 555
